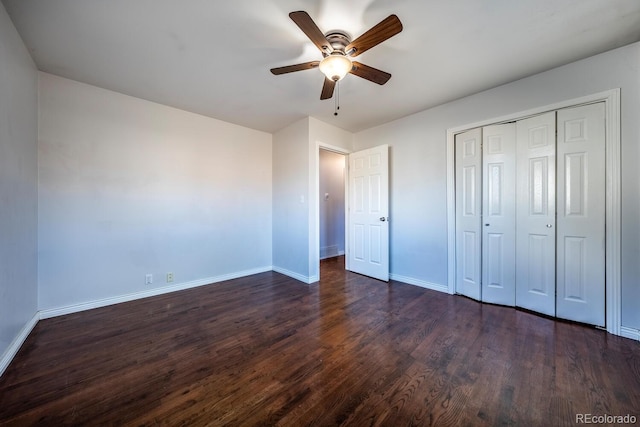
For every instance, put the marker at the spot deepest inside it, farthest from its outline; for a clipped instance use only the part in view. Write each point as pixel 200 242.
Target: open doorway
pixel 331 212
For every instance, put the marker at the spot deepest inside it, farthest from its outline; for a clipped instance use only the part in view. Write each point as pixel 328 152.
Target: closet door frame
pixel 611 99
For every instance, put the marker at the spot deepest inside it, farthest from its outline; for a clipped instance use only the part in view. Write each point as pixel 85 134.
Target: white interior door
pixel 468 155
pixel 499 214
pixel 581 214
pixel 535 214
pixel 369 212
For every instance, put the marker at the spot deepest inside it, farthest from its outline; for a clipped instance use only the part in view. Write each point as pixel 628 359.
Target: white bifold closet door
pixel 530 214
pixel 468 212
pixel 499 214
pixel 536 212
pixel 580 275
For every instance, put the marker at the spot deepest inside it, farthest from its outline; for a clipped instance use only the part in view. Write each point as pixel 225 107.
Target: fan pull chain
pixel 337 99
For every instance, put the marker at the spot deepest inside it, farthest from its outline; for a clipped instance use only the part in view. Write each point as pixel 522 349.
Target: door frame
pixel 314 243
pixel 613 211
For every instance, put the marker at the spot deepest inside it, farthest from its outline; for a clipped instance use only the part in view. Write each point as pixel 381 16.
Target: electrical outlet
pixel 169 277
pixel 148 279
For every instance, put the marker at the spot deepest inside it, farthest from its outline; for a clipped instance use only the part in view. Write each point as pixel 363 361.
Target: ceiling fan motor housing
pixel 338 39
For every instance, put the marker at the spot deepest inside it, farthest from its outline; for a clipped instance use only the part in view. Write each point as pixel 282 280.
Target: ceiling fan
pixel 338 49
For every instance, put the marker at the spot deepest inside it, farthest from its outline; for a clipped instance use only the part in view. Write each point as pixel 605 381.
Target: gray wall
pixel 130 187
pixel 18 185
pixel 418 162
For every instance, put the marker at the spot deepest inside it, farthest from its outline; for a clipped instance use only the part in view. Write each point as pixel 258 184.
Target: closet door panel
pixel 468 213
pixel 535 213
pixel 499 208
pixel 581 214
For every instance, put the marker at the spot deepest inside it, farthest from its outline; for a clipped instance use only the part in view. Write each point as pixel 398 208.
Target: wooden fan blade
pixel 306 24
pixel 297 67
pixel 327 89
pixel 370 73
pixel 385 29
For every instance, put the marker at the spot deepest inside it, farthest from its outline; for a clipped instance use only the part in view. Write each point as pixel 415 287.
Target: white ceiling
pixel 213 57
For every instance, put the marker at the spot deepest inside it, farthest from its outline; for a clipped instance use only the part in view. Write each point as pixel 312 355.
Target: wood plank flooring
pixel 268 350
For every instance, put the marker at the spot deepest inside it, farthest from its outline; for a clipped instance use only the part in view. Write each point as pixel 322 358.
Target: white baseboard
pixel 339 253
pixel 15 345
pixel 60 311
pixel 305 279
pixel 632 333
pixel 421 283
pixel 329 251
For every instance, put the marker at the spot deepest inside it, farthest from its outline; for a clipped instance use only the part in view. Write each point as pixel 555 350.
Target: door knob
pixel 486 225
pixel 549 225
pixel 383 219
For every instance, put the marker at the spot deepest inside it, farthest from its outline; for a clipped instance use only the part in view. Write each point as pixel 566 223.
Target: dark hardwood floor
pixel 268 350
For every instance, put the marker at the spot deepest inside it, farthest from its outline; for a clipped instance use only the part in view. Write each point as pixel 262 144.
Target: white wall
pixel 129 187
pixel 321 134
pixel 291 201
pixel 18 189
pixel 331 200
pixel 417 197
pixel 296 153
pixel 418 162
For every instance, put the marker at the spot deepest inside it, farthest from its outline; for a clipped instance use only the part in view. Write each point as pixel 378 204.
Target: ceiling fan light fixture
pixel 337 50
pixel 336 66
